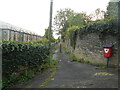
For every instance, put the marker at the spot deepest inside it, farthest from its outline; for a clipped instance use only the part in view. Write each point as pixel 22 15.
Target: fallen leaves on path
pixel 103 74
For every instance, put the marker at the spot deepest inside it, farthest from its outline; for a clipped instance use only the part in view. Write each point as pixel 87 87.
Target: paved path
pixel 79 75
pixel 75 75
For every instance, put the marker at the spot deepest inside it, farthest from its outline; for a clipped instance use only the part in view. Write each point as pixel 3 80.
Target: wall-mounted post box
pixel 107 52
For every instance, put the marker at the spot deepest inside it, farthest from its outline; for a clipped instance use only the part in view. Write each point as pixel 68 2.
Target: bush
pixel 107 26
pixel 102 27
pixel 18 56
pixel 72 34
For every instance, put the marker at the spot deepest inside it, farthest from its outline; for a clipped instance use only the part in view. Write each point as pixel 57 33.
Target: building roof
pixel 13 27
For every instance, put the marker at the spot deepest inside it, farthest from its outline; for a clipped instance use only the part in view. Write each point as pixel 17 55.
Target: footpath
pixel 74 75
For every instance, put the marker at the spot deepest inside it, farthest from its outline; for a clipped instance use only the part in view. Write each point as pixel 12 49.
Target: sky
pixel 33 15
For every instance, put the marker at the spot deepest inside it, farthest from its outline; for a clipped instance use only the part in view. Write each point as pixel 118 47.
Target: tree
pixel 76 20
pixel 66 18
pixel 46 35
pixel 60 21
pixel 112 9
pixel 87 18
pixel 98 14
pixel 79 19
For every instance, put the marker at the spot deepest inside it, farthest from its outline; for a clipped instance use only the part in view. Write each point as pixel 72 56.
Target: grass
pixel 81 60
pixel 48 79
pixel 54 65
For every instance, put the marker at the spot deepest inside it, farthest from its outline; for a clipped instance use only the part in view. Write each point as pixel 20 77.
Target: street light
pixel 50 25
pixel 50 22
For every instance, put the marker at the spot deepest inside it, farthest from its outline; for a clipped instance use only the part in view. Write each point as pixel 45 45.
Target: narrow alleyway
pixel 79 75
pixel 75 75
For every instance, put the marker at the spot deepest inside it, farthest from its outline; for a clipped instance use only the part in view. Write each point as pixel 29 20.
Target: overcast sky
pixel 34 14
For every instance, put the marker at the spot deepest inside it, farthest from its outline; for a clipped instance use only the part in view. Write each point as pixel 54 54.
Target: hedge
pixel 21 54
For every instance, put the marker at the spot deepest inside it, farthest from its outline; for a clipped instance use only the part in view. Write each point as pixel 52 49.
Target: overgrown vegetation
pixel 72 35
pixel 23 60
pixel 70 24
pixel 49 34
pixel 66 18
pixel 102 27
pixel 73 57
pixel 81 60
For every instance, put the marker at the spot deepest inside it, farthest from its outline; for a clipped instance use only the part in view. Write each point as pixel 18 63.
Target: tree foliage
pixel 66 18
pixel 47 35
pixel 72 35
pixel 76 20
pixel 112 9
pixel 98 14
pixel 60 20
pixel 103 27
pixel 67 22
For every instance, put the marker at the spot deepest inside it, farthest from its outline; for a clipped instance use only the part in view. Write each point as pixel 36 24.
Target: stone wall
pixel 90 47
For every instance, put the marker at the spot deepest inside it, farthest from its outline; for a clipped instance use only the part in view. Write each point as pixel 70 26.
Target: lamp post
pixel 50 25
pixel 50 22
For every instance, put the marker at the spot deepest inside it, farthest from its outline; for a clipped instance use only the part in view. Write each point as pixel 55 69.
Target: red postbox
pixel 107 50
